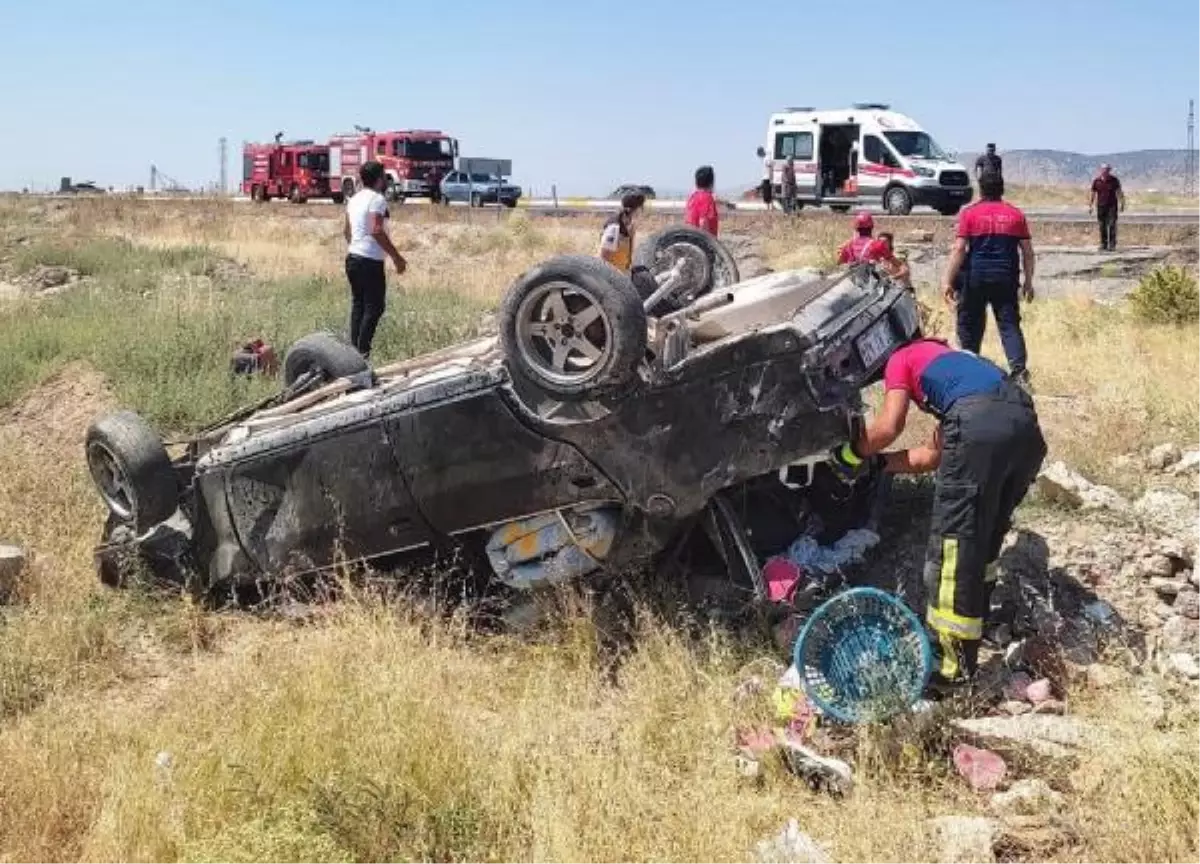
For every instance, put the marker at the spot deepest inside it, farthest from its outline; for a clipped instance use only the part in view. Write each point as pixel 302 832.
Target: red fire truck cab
pixel 414 160
pixel 296 170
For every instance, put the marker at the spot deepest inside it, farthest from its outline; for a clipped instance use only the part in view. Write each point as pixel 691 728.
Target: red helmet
pixel 864 222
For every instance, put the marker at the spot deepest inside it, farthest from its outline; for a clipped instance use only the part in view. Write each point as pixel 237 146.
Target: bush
pixel 1167 295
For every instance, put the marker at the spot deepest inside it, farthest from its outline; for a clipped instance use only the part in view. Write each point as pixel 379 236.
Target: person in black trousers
pixel 1106 196
pixel 366 231
pixel 993 247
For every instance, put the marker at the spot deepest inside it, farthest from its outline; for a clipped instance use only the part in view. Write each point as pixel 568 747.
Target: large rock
pixel 791 846
pixel 965 838
pixel 1190 462
pixel 1185 665
pixel 1167 588
pixel 12 562
pixel 1163 456
pixel 1045 734
pixel 1060 485
pixel 1187 604
pixel 1181 634
pixel 1171 513
pixel 1155 566
pixel 1027 798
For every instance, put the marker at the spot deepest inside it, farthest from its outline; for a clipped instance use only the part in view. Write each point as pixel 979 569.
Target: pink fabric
pixel 781 575
pixel 905 366
pixel 982 769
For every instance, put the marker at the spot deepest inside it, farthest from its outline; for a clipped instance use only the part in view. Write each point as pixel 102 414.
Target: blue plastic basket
pixel 863 656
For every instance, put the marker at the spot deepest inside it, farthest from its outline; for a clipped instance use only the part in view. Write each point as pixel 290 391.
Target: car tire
pixel 476 199
pixel 131 470
pixel 258 193
pixel 324 353
pixel 897 201
pixel 598 358
pixel 840 208
pixel 510 203
pixel 715 265
pixel 951 210
pixel 338 198
pixel 295 196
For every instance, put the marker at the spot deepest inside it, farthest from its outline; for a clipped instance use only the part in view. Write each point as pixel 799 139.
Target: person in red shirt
pixel 701 210
pixel 987 450
pixel 993 246
pixel 1106 195
pixel 862 246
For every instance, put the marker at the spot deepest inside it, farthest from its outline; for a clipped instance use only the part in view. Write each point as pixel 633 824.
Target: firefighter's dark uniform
pixel 992 450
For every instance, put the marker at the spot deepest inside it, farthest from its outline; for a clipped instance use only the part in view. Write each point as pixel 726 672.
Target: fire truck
pixel 296 170
pixel 411 159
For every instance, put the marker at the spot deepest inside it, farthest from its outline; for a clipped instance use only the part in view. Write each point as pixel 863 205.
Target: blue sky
pixel 579 93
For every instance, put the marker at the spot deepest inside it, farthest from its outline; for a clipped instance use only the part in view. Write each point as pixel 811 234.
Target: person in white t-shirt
pixel 766 188
pixel 366 231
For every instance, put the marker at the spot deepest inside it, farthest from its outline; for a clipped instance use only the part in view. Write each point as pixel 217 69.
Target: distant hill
pixel 1163 170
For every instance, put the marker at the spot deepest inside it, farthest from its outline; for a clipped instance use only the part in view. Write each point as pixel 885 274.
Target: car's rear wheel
pixel 322 353
pixel 131 470
pixel 476 199
pixel 574 327
pixel 705 262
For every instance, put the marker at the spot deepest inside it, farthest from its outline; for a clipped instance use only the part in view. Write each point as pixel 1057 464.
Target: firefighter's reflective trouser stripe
pixel 992 450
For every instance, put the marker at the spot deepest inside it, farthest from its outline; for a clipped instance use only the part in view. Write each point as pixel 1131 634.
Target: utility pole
pixel 223 175
pixel 1190 181
pixel 153 178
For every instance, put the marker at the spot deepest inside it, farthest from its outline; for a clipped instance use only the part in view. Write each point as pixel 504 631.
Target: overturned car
pixel 598 427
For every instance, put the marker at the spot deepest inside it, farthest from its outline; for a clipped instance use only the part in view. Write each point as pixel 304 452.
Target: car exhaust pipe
pixel 708 303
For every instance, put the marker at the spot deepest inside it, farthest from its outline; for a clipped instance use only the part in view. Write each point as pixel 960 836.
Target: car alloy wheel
pixel 564 333
pixel 111 481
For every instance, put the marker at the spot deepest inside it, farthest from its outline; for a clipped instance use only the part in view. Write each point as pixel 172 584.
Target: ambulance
pixel 865 154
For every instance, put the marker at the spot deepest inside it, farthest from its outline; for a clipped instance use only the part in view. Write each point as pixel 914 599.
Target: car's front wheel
pixel 131 470
pixel 897 201
pixel 574 327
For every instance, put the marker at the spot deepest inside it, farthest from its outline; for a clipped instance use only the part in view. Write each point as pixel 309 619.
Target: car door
pixel 470 461
pixel 798 146
pixel 452 187
pixel 876 167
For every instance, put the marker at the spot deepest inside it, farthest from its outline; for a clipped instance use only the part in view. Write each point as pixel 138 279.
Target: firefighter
pixel 986 449
pixel 862 246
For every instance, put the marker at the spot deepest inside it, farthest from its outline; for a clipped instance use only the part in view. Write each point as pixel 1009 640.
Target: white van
pixel 865 154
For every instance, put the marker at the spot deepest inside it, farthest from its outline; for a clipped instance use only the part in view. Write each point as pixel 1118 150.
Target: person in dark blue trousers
pixel 992 248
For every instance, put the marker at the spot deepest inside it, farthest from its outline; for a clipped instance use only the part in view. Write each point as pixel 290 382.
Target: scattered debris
pixel 982 769
pixel 1027 798
pixel 1017 687
pixel 1048 735
pixel 918 235
pixel 1039 691
pixel 1050 706
pixel 1163 457
pixel 791 846
pixel 965 838
pixel 1015 707
pixel 849 549
pixel 1060 485
pixel 12 562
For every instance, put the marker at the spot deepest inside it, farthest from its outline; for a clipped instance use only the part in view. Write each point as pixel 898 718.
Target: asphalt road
pixel 1041 214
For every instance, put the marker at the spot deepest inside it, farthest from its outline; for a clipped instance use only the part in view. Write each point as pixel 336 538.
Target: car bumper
pixel 940 197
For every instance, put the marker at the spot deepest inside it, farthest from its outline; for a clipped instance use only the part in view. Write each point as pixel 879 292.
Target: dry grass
pixel 372 733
